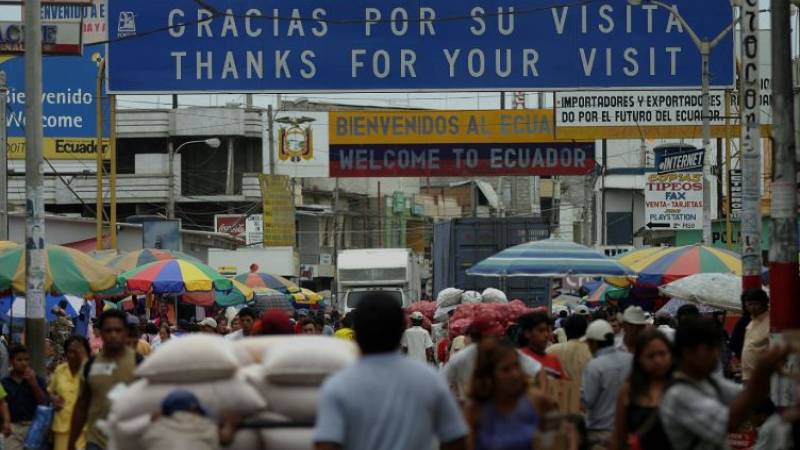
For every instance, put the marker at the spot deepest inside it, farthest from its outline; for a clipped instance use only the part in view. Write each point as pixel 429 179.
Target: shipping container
pixel 459 244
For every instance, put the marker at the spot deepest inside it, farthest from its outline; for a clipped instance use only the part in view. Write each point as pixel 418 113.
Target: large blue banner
pixel 183 46
pixel 68 103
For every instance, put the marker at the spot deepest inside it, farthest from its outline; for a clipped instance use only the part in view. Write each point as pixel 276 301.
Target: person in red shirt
pixel 536 330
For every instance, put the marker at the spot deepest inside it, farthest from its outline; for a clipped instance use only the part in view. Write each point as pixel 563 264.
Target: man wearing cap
pixel 602 379
pixel 458 370
pixel 184 425
pixel 208 325
pixel 633 322
pixel 416 341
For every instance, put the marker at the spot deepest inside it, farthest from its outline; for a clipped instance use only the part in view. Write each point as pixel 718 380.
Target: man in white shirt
pixel 416 341
pixel 458 370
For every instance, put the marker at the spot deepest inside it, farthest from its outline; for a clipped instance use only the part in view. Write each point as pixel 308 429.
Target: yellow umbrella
pixel 306 297
pixel 631 259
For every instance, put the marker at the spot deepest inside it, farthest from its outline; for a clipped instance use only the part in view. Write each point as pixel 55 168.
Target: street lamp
pixel 211 142
pixel 704 46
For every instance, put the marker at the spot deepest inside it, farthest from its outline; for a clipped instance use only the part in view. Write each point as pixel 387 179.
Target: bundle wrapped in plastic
pixel 500 314
pixel 428 309
pixel 442 313
pixel 492 295
pixel 449 297
pixel 471 297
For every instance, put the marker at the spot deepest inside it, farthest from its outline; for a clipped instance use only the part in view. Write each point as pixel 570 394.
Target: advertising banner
pixel 231 224
pixel 674 201
pixel 58 38
pixel 279 227
pixel 92 14
pixel 441 127
pixel 254 229
pixel 735 192
pixel 452 160
pixel 679 161
pixel 69 107
pixel 185 46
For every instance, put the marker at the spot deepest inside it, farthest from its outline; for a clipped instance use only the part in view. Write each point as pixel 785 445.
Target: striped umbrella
pixel 174 276
pixel 15 306
pixel 67 271
pixel 632 258
pixel 673 263
pixel 238 295
pixel 604 292
pixel 128 261
pixel 551 258
pixel 255 280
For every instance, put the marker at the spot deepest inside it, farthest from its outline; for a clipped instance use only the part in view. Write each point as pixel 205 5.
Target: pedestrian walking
pixel 114 364
pixel 164 335
pixel 638 425
pixel 245 320
pixel 385 400
pixel 602 380
pixel 208 325
pixel 310 327
pixel 345 331
pixel 63 388
pixel 416 341
pixel 25 391
pixel 536 333
pixel 756 336
pixel 574 355
pixel 273 322
pixel 502 411
pixel 135 341
pixel 458 370
pixel 183 424
pixel 702 407
pixel 633 322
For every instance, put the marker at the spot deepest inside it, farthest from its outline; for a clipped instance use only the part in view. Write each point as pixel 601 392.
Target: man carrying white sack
pixel 416 341
pixel 386 401
pixel 183 425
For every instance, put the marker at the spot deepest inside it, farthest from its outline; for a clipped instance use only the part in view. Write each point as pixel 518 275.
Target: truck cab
pixel 395 271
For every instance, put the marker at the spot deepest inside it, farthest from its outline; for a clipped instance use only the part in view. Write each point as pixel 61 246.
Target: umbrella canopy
pixel 718 290
pixel 307 297
pixel 174 276
pixel 67 271
pixel 132 260
pixel 605 291
pixel 674 263
pixel 549 258
pixel 256 280
pixel 267 299
pixel 14 307
pixel 631 259
pixel 567 300
pixel 671 307
pixel 238 295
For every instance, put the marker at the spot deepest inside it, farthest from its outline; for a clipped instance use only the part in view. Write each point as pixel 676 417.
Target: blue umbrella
pixel 15 306
pixel 549 258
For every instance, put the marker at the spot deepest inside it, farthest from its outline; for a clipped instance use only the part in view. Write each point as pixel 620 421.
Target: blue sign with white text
pixel 183 46
pixel 69 106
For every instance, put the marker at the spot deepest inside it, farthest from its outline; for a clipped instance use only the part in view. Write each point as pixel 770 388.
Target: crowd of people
pixel 582 380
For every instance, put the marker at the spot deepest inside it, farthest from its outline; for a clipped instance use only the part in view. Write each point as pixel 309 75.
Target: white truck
pixel 392 270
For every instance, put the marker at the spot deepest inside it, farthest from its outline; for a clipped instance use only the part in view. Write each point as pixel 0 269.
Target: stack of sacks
pixel 203 364
pixel 428 309
pixel 499 314
pixel 492 295
pixel 289 378
pixel 446 301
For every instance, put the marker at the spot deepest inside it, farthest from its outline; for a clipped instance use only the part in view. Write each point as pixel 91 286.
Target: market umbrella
pixel 174 276
pixel 67 271
pixel 553 258
pixel 718 290
pixel 306 298
pixel 671 307
pixel 128 261
pixel 604 292
pixel 14 307
pixel 267 299
pixel 631 259
pixel 238 295
pixel 674 263
pixel 255 280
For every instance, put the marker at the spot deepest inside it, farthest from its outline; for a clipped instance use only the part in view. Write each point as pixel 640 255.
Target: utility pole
pixel 112 180
pixel 271 144
pixel 750 149
pixel 35 325
pixel 3 159
pixel 99 155
pixel 783 267
pixel 170 179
